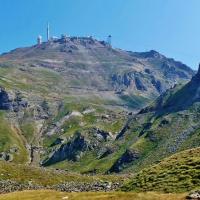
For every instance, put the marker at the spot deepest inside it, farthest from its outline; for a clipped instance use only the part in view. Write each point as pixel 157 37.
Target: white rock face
pixel 194 195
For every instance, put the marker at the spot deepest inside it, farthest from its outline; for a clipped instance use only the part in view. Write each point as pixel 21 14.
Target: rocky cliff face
pixel 167 126
pixel 5 102
pixel 72 150
pixel 178 98
pixel 12 101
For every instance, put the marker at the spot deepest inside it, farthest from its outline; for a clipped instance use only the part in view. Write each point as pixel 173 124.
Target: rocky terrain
pixel 70 103
pixel 86 67
pixel 77 115
pixel 167 126
pixel 13 186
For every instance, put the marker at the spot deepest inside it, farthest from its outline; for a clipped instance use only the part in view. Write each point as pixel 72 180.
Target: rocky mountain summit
pixel 85 65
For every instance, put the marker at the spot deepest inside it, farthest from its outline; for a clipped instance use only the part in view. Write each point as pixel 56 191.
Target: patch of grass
pixel 9 138
pixel 54 195
pixel 28 130
pixel 49 140
pixel 134 101
pixel 178 173
pixel 23 174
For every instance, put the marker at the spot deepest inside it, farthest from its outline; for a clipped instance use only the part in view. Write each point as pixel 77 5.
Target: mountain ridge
pixel 80 92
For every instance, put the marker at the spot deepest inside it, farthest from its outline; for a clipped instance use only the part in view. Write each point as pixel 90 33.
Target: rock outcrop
pixel 5 102
pixel 72 150
pixel 127 158
pixel 194 195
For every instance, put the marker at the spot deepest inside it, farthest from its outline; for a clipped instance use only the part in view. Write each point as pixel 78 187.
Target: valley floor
pixel 53 195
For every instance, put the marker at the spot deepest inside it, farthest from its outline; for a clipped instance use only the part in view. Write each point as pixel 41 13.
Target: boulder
pixel 194 195
pixel 6 156
pixel 5 103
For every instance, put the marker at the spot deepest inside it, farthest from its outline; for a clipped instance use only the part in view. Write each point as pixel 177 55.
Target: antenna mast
pixel 48 32
pixel 109 41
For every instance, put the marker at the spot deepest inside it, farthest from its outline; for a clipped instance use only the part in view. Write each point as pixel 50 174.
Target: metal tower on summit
pixel 109 40
pixel 48 32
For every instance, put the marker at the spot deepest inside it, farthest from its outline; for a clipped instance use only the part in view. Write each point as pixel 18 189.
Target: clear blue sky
pixel 171 27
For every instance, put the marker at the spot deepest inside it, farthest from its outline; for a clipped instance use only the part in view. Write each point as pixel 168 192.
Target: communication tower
pixel 48 32
pixel 109 40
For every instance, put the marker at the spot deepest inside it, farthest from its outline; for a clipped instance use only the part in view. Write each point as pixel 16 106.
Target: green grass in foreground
pixel 178 173
pixel 52 195
pixel 44 177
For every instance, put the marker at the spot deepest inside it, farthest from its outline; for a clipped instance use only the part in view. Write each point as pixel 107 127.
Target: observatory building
pixel 39 39
pixel 109 41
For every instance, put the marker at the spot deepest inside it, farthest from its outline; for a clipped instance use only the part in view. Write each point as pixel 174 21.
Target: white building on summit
pixel 39 40
pixel 65 38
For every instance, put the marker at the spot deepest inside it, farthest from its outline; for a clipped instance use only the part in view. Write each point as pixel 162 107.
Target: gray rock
pixel 72 150
pixel 139 84
pixel 5 102
pixel 194 195
pixel 6 156
pixel 127 158
pixel 7 186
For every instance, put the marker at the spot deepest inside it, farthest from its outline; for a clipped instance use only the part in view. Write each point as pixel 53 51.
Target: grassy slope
pixel 52 195
pixel 37 83
pixel 40 82
pixel 167 134
pixel 44 177
pixel 178 173
pixel 9 138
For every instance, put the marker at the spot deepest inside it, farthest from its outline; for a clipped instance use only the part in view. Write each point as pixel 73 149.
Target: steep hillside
pixel 87 68
pixel 167 126
pixel 66 102
pixel 178 98
pixel 178 173
pixel 35 176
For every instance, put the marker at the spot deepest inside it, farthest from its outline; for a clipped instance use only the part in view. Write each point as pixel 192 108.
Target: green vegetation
pixel 91 91
pixel 40 176
pixel 178 173
pixel 10 138
pixel 28 130
pixel 53 195
pixel 135 101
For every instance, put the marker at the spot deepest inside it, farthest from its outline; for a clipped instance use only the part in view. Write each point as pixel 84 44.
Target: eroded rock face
pixel 103 135
pixel 105 152
pixel 139 84
pixel 72 150
pixel 127 158
pixel 158 85
pixel 14 103
pixel 5 102
pixel 18 103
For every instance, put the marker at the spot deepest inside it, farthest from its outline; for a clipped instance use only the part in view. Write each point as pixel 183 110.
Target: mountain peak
pixel 151 54
pixel 198 72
